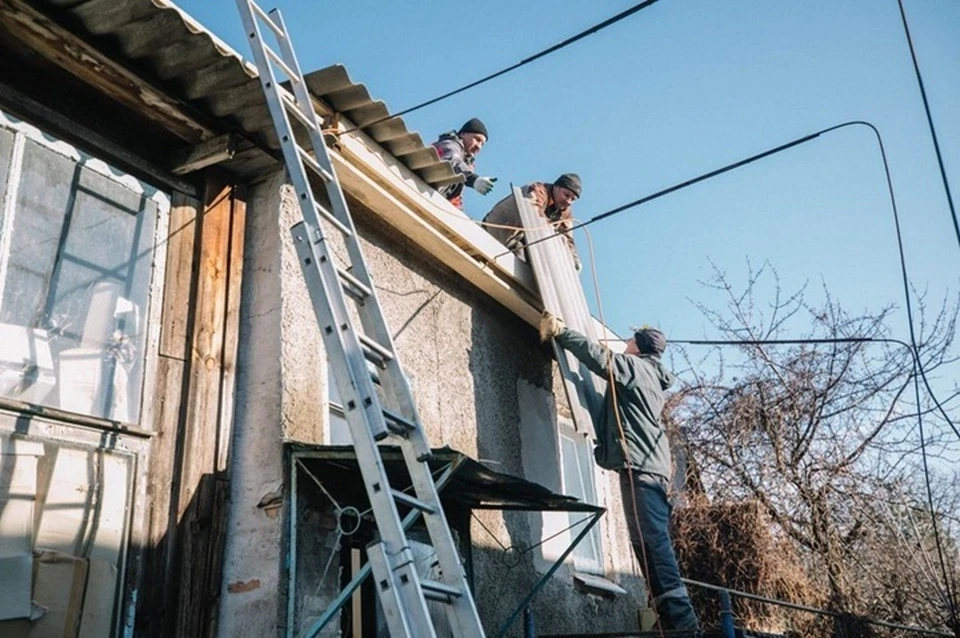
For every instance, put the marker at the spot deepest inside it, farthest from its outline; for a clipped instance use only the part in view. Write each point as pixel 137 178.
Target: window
pixel 76 255
pixel 577 476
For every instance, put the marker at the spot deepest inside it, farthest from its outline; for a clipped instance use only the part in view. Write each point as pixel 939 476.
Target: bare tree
pixel 824 436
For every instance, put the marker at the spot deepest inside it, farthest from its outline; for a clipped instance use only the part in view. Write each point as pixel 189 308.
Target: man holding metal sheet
pixel 632 441
pixel 552 201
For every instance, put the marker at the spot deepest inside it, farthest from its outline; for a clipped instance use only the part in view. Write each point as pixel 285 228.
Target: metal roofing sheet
pixel 471 483
pixel 163 43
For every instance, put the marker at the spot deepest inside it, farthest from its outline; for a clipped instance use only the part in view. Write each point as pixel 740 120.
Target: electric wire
pixel 744 162
pixel 698 179
pixel 920 372
pixel 533 58
pixel 768 153
pixel 916 365
pixel 933 131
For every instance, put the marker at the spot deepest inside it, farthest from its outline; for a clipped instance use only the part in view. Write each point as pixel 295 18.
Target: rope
pixel 612 388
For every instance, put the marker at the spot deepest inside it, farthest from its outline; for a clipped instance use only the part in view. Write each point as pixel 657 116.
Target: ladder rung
pixel 313 165
pixel 436 590
pixel 276 59
pixel 290 102
pixel 402 425
pixel 353 286
pixel 327 215
pixel 415 503
pixel 375 352
pixel 268 20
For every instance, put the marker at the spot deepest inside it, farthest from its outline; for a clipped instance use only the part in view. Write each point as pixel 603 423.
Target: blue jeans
pixel 646 503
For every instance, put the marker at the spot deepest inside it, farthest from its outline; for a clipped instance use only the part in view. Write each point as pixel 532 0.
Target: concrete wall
pixel 251 567
pixel 483 385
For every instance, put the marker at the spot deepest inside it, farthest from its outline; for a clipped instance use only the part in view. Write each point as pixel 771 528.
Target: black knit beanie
pixel 570 181
pixel 474 125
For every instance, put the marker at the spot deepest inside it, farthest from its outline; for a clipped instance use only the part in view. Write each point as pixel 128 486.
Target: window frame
pixel 150 317
pixel 583 459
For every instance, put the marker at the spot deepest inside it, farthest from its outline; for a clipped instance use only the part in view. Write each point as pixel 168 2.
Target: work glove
pixel 484 185
pixel 550 326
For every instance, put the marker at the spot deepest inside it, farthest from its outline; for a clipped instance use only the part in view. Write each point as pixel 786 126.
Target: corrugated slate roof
pixel 156 38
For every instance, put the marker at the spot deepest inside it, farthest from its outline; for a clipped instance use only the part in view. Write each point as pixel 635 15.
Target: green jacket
pixel 640 384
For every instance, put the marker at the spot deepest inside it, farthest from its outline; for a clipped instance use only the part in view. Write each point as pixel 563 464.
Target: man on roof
pixel 461 148
pixel 631 441
pixel 553 202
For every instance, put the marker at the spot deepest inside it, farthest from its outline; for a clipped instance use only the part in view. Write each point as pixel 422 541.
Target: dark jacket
pixel 450 147
pixel 540 194
pixel 640 384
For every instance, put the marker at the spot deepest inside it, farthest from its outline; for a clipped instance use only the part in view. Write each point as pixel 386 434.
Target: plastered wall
pixel 483 385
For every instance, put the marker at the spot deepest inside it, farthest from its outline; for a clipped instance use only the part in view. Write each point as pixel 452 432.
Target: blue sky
pixel 676 90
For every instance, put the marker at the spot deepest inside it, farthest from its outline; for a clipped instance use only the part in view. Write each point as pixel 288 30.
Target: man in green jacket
pixel 636 446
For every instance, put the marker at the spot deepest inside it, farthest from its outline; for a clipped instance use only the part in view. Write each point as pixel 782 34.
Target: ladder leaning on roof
pixel 403 594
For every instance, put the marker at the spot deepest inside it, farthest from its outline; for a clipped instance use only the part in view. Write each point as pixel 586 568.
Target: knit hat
pixel 474 125
pixel 570 181
pixel 650 340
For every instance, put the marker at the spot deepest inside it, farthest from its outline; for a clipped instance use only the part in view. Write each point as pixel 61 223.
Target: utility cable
pixel 917 367
pixel 933 132
pixel 556 47
pixel 768 153
pixel 905 281
pixel 698 179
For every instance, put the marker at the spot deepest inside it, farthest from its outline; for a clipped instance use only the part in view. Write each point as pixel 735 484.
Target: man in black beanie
pixel 635 445
pixel 553 202
pixel 460 148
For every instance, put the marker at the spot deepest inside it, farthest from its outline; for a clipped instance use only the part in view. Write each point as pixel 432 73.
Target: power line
pixel 933 132
pixel 918 367
pixel 556 47
pixel 696 180
pixel 768 153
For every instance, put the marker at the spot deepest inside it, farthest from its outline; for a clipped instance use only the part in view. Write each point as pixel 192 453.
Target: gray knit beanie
pixel 650 341
pixel 570 181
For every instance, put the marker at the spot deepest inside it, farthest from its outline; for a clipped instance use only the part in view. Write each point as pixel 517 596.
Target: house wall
pixel 73 468
pixel 483 386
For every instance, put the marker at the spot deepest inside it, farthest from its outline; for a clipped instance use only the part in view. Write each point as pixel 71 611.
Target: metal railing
pixel 726 611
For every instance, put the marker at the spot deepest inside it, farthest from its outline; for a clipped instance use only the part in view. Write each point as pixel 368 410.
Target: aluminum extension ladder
pixel 403 594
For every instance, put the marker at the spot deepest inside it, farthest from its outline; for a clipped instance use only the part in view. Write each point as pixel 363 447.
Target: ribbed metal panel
pixel 176 53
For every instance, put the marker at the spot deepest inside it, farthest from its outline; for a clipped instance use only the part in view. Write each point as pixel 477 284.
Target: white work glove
pixel 484 185
pixel 550 326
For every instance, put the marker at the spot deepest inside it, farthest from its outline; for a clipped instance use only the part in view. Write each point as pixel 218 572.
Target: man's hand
pixel 484 185
pixel 550 326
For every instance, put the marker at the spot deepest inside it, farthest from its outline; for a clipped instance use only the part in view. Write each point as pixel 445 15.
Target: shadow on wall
pixel 559 607
pixel 516 420
pixel 181 581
